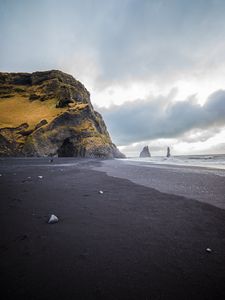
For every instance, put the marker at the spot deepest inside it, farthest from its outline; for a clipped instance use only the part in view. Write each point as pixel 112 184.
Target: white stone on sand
pixel 53 219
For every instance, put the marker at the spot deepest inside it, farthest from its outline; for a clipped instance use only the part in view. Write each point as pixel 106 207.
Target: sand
pixel 203 184
pixel 131 242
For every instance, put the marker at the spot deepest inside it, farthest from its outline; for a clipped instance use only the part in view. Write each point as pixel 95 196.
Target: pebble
pixel 208 250
pixel 53 219
pixel 100 192
pixel 40 176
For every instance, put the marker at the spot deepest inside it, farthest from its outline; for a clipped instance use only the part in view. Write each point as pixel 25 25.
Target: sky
pixel 155 68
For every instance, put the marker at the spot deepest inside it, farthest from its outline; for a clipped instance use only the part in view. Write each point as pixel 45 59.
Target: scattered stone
pixel 40 176
pixel 53 219
pixel 101 192
pixel 0 175
pixel 208 250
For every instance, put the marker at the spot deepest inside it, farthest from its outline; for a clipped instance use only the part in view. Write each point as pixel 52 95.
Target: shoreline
pixel 131 242
pixel 221 171
pixel 202 184
pixel 175 165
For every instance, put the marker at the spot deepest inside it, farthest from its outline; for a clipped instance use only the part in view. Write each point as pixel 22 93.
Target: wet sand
pixel 131 242
pixel 203 184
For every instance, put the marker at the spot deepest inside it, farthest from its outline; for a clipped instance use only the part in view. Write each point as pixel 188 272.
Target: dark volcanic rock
pixel 145 152
pixel 40 124
pixel 6 148
pixel 168 152
pixel 68 125
pixel 34 97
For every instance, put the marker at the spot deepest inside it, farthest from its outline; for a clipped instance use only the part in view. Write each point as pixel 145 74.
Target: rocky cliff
pixel 50 113
pixel 145 152
pixel 168 152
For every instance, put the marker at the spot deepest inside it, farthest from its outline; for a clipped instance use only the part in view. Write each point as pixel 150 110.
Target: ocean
pixel 214 161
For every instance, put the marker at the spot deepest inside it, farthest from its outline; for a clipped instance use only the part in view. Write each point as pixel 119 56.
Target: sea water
pixel 214 161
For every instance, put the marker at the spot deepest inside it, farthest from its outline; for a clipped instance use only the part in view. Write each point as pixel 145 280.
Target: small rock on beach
pixel 208 250
pixel 53 219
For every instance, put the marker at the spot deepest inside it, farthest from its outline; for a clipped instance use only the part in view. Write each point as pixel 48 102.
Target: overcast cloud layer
pixel 157 118
pixel 126 50
pixel 113 40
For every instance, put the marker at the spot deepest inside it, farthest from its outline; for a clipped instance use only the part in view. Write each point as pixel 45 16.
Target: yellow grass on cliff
pixel 18 109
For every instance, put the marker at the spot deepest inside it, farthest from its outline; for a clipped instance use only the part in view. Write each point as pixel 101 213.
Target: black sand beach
pixel 131 242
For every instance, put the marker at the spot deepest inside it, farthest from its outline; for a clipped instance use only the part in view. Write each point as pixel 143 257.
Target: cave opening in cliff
pixel 67 149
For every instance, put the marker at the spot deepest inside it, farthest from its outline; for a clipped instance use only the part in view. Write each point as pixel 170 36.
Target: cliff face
pixel 50 113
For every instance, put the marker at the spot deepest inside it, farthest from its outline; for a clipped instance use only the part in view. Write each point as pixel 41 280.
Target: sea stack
pixel 168 152
pixel 50 114
pixel 145 152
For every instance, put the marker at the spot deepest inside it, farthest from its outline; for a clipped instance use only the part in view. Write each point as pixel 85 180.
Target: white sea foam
pixel 207 161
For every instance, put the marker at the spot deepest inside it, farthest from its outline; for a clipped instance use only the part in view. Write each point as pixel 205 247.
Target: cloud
pixel 218 148
pixel 157 40
pixel 199 135
pixel 160 117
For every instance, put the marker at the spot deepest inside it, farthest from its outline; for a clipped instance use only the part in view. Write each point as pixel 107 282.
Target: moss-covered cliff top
pixel 28 97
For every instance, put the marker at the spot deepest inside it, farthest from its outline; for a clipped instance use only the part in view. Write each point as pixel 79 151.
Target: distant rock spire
pixel 145 152
pixel 168 152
